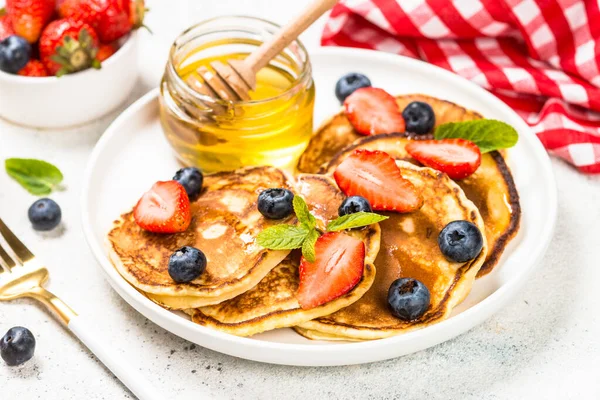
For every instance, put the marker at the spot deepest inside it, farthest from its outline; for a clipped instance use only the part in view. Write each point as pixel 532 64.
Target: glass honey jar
pixel 272 128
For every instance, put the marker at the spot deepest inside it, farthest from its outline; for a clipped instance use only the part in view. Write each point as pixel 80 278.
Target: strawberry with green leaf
pixel 458 146
pixel 332 263
pixel 112 19
pixel 68 46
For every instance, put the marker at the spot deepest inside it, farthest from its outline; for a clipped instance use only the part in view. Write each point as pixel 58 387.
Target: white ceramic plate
pixel 133 154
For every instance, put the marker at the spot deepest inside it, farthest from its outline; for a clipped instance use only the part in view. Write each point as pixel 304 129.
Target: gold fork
pixel 22 275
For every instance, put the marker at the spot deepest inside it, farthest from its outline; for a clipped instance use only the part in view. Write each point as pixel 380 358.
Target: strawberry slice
pixel 338 267
pixel 375 176
pixel 164 209
pixel 373 111
pixel 458 158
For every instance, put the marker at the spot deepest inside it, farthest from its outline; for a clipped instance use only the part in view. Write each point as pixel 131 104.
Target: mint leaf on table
pixel 308 247
pixel 283 237
pixel 487 134
pixel 355 220
pixel 302 213
pixel 36 176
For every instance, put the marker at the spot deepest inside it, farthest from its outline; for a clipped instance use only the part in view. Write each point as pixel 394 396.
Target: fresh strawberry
pixel 373 111
pixel 164 209
pixel 34 68
pixel 29 17
pixel 6 28
pixel 110 18
pixel 375 176
pixel 106 51
pixel 458 158
pixel 338 267
pixel 68 46
pixel 137 12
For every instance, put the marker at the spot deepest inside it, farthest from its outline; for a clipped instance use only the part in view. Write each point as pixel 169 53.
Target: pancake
pixel 337 133
pixel 224 224
pixel 272 303
pixel 491 187
pixel 409 249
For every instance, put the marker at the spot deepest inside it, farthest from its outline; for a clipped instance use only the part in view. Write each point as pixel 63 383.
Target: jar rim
pixel 299 81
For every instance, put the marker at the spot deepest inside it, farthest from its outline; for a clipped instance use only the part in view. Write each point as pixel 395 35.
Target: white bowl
pixel 72 99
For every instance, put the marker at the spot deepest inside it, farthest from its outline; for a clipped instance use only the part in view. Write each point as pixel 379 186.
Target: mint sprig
pixel 355 220
pixel 308 247
pixel 38 177
pixel 487 134
pixel 283 237
pixel 305 235
pixel 303 214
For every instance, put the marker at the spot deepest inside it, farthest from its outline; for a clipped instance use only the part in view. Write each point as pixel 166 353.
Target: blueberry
pixel 44 215
pixel 348 83
pixel 275 203
pixel 408 298
pixel 186 264
pixel 191 179
pixel 460 241
pixel 419 117
pixel 354 204
pixel 17 346
pixel 14 54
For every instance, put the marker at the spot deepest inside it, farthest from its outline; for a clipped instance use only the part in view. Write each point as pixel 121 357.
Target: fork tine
pixel 16 245
pixel 7 261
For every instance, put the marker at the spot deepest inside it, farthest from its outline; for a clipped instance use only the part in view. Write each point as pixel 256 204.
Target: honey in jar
pixel 272 128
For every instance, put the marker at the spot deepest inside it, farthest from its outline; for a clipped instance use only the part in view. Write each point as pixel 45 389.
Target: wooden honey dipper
pixel 233 80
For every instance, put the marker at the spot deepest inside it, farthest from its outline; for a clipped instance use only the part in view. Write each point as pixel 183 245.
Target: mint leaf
pixel 355 220
pixel 302 213
pixel 308 247
pixel 487 134
pixel 282 237
pixel 36 176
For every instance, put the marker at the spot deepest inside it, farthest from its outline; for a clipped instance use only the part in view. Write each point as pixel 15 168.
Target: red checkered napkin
pixel 542 57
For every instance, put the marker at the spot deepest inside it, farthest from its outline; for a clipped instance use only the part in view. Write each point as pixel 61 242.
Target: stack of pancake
pixel 247 289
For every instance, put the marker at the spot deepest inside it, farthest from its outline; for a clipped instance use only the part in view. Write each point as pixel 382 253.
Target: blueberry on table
pixel 419 117
pixel 408 299
pixel 460 241
pixel 354 204
pixel 187 264
pixel 17 346
pixel 14 54
pixel 191 179
pixel 275 203
pixel 44 214
pixel 348 83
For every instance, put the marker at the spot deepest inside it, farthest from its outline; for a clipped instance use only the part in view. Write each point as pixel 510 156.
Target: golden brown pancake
pixel 272 303
pixel 491 187
pixel 224 225
pixel 409 249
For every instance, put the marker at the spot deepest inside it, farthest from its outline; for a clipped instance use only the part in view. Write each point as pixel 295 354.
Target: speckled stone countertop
pixel 544 345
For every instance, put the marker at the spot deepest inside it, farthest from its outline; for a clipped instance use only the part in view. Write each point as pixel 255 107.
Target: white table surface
pixel 545 345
